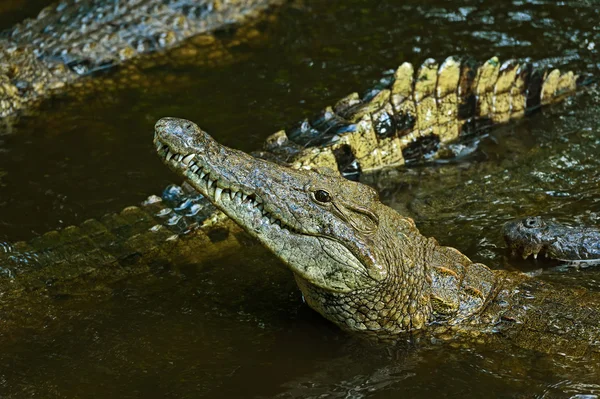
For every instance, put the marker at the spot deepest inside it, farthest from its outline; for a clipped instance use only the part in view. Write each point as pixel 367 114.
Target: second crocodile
pixel 535 236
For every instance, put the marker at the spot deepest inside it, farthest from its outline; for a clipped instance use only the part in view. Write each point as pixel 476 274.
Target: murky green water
pixel 15 11
pixel 237 327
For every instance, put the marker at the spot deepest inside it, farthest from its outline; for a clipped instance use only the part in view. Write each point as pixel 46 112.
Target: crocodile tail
pixel 159 235
pixel 173 229
pixel 411 114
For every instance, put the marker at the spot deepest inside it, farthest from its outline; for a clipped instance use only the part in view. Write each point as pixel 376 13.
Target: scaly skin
pixel 71 39
pixel 69 257
pixel 534 235
pixel 367 268
pixel 412 115
pixel 134 232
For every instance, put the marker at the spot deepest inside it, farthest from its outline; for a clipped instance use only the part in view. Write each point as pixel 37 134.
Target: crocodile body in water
pixel 71 39
pixel 367 268
pixel 534 236
pixel 408 119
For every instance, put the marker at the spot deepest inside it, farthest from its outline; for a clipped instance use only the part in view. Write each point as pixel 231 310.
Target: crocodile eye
pixel 322 196
pixel 532 222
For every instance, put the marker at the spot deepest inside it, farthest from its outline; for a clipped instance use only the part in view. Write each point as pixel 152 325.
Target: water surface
pixel 237 327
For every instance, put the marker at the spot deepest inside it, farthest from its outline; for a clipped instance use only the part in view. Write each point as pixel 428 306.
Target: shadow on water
pixel 237 327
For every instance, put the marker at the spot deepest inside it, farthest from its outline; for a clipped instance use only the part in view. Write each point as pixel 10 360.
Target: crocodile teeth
pixel 218 192
pixel 169 155
pixel 179 158
pixel 238 197
pixel 202 174
pixel 188 159
pixel 260 207
pixel 210 183
pixel 194 168
pixel 244 196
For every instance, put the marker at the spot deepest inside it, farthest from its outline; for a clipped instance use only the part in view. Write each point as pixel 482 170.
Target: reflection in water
pixel 237 327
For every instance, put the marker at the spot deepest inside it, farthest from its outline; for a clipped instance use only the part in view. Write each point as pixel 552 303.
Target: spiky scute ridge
pixel 84 261
pixel 413 114
pixel 122 237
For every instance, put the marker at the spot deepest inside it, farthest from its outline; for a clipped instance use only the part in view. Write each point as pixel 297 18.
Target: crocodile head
pixel 534 236
pixel 525 236
pixel 357 262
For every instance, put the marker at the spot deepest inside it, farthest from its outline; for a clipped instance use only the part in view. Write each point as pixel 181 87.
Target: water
pixel 237 327
pixel 15 11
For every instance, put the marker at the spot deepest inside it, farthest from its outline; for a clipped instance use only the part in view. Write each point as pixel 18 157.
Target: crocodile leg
pixel 549 319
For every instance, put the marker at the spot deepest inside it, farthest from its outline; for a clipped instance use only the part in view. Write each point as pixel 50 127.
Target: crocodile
pixel 535 235
pixel 356 136
pixel 72 39
pixel 365 267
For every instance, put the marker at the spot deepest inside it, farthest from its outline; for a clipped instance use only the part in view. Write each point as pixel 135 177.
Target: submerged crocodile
pixel 409 118
pixel 365 267
pixel 74 38
pixel 534 236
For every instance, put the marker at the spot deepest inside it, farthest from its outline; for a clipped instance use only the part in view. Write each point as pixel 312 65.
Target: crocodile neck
pixel 439 286
pixel 400 303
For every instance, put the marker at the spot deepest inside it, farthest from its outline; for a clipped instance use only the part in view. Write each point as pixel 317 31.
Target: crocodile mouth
pixel 525 253
pixel 234 200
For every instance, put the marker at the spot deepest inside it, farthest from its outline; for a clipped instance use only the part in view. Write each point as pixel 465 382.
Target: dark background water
pixel 208 331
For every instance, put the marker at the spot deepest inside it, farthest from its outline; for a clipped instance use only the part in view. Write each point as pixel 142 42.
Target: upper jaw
pixel 234 197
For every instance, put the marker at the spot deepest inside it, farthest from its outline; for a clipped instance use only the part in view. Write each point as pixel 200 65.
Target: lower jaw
pixel 243 213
